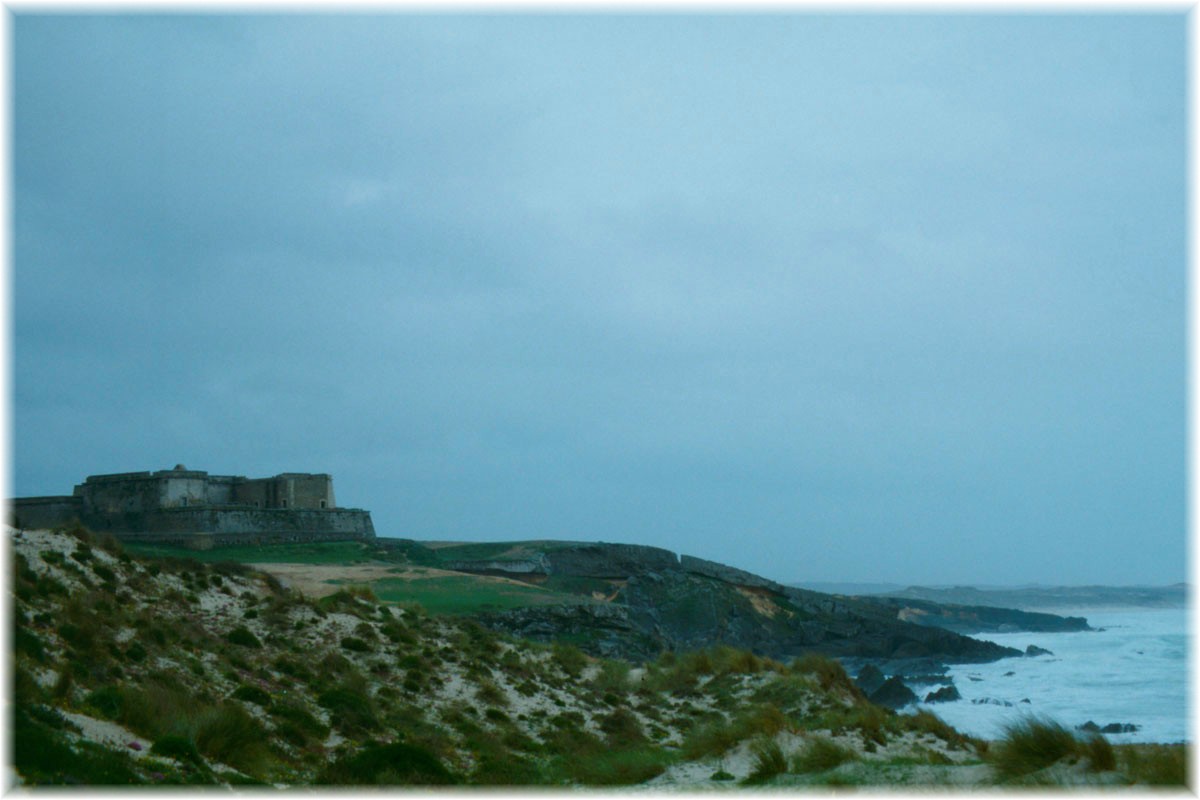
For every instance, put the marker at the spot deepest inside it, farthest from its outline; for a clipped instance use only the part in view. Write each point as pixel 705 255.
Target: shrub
pixel 229 735
pixel 821 753
pixel 489 692
pixel 298 723
pixel 396 764
pixel 180 747
pixel 350 709
pixel 26 641
pixel 242 637
pixel 355 645
pixel 1030 745
pixel 612 677
pixel 622 728
pixel 252 694
pixel 107 700
pixel 570 659
pixel 769 761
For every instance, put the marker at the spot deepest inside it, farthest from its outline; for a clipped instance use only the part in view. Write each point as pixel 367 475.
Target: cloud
pixel 806 285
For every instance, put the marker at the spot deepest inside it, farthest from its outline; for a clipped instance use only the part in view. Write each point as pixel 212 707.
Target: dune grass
pixel 1030 745
pixel 820 753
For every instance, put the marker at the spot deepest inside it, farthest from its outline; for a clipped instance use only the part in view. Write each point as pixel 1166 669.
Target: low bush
pixel 396 764
pixel 230 735
pixel 622 728
pixel 355 645
pixel 107 700
pixel 252 694
pixel 569 659
pixel 350 709
pixel 243 637
pixel 180 747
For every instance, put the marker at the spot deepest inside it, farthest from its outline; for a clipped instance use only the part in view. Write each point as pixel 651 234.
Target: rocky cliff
pixel 654 601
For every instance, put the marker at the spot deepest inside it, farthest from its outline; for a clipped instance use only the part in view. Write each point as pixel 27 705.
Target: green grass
pixel 298 553
pixel 464 594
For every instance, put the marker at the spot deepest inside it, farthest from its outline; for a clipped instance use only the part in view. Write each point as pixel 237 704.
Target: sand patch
pixel 761 602
pixel 322 580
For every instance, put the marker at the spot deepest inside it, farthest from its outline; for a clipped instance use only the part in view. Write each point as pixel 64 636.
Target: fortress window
pixel 322 504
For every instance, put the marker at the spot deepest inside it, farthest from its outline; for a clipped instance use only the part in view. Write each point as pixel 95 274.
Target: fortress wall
pixel 207 541
pixel 188 491
pixel 45 512
pixel 309 491
pixel 253 492
pixel 133 492
pixel 219 491
pixel 355 522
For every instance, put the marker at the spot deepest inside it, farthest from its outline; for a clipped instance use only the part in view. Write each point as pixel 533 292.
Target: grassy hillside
pixel 169 671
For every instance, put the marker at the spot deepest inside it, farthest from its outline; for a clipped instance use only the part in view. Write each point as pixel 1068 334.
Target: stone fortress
pixel 191 507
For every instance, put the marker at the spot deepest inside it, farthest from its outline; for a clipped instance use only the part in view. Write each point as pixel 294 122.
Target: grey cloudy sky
pixel 895 298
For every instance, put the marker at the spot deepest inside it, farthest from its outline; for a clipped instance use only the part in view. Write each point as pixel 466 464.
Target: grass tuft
pixel 821 753
pixel 1030 745
pixel 769 761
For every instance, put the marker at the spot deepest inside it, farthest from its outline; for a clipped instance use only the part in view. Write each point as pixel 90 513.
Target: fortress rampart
pixel 194 508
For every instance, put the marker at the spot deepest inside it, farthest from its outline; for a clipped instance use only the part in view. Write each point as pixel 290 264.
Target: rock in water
pixel 946 694
pixel 1120 727
pixel 869 679
pixel 893 694
pixel 1034 650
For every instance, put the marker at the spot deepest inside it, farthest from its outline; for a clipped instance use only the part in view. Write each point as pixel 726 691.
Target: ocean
pixel 1135 671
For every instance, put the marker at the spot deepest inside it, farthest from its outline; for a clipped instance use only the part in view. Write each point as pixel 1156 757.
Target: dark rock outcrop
pixel 990 701
pixel 946 694
pixel 892 694
pixel 976 619
pixel 1033 650
pixel 869 679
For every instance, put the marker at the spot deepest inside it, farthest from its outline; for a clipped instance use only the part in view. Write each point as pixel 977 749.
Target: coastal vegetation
pixel 151 668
